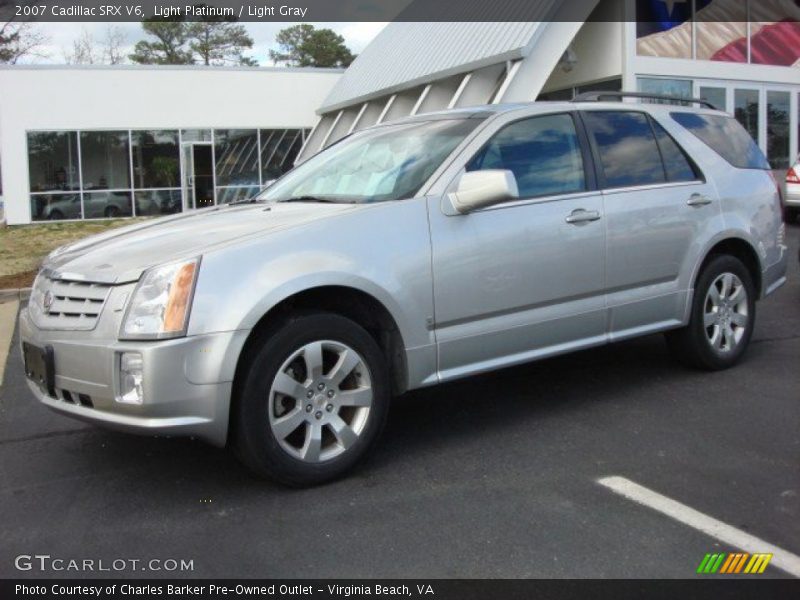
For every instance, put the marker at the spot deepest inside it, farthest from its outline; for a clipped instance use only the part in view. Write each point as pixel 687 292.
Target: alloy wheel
pixel 725 312
pixel 320 400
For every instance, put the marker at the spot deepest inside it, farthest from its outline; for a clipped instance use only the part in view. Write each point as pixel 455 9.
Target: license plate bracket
pixel 40 366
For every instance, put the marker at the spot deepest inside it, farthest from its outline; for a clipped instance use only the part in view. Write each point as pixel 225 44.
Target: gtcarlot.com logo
pixel 46 562
pixel 734 563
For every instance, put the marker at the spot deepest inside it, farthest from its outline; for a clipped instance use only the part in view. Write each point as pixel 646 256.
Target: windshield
pixel 374 165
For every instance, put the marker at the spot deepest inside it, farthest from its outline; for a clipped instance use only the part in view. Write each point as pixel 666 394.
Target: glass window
pixel 55 207
pixel 716 95
pixel 676 164
pixel 53 160
pixel 726 137
pixel 106 205
pixel 745 109
pixel 157 202
pixel 722 40
pixel 279 148
pixel 105 160
pixel 664 29
pixel 195 135
pixel 543 153
pixel 390 162
pixel 236 194
pixel 156 162
pixel 236 155
pixel 778 129
pixel 775 43
pixel 680 88
pixel 628 151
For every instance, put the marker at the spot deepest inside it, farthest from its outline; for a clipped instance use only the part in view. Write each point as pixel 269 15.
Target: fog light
pixel 131 374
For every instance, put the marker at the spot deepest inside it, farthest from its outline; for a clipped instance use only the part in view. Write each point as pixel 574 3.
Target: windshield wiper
pixel 252 200
pixel 318 199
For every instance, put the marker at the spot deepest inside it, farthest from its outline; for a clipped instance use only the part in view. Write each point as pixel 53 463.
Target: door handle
pixel 580 215
pixel 698 200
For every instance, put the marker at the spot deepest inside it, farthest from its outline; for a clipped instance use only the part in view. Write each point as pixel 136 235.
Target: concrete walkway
pixel 8 320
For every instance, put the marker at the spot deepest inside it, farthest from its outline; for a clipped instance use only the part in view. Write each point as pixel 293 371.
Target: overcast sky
pixel 61 36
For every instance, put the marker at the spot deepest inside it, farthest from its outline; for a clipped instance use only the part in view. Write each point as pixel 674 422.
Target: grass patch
pixel 23 247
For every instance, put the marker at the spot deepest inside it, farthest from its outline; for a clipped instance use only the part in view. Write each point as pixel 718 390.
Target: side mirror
pixel 479 189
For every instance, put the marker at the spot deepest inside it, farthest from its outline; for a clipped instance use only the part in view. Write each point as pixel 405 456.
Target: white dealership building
pixel 99 142
pixel 742 55
pixel 114 141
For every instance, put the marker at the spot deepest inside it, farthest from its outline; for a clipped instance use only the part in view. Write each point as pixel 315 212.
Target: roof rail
pixel 598 96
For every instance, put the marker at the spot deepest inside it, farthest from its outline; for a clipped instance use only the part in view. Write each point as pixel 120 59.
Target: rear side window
pixel 676 164
pixel 626 146
pixel 543 153
pixel 726 137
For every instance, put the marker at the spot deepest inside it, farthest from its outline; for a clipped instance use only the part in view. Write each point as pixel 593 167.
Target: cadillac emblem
pixel 47 301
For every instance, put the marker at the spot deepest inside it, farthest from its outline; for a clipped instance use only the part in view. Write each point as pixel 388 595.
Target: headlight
pixel 161 302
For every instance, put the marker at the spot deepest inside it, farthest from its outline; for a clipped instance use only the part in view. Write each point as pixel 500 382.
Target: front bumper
pixel 187 381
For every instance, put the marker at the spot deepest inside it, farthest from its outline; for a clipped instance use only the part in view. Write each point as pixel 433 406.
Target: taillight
pixel 791 176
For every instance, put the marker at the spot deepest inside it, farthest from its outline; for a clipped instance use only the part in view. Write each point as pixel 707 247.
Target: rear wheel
pixel 722 317
pixel 790 214
pixel 313 401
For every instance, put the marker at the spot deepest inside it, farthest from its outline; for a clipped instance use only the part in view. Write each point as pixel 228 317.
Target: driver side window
pixel 543 153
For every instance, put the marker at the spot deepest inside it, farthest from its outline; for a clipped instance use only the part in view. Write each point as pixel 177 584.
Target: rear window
pixel 726 137
pixel 676 164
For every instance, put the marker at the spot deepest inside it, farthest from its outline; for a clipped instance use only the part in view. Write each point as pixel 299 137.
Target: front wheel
pixel 722 318
pixel 313 400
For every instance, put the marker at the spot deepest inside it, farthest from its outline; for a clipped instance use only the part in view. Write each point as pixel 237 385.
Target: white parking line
pixel 784 560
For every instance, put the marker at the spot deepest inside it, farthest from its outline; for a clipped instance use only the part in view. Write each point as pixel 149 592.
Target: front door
pixel 525 278
pixel 198 175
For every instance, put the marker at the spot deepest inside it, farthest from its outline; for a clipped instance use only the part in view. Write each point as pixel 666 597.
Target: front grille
pixel 73 305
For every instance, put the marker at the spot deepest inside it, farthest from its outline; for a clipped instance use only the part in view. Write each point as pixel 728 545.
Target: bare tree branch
pixel 113 44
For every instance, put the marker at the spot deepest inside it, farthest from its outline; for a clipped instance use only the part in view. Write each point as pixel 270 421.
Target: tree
pixel 20 40
pixel 84 50
pixel 220 41
pixel 168 48
pixel 305 46
pixel 112 45
pixel 212 41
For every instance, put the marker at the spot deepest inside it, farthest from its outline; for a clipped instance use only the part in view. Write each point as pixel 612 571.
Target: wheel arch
pixel 355 304
pixel 739 247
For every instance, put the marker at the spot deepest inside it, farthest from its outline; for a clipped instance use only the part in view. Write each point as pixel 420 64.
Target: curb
pixel 15 294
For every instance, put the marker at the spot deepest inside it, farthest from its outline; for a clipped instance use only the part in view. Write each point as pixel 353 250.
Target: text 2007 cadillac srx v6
pixel 405 255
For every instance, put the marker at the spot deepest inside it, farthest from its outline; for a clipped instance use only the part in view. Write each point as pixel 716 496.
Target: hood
pixel 120 255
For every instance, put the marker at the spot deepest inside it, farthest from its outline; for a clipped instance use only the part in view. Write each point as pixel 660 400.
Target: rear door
pixel 657 206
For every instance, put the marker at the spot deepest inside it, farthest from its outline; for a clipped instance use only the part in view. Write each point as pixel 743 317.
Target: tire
pixel 111 212
pixel 332 407
pixel 55 215
pixel 790 214
pixel 721 321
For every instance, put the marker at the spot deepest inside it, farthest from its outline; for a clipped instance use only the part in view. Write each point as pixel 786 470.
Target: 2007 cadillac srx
pixel 405 255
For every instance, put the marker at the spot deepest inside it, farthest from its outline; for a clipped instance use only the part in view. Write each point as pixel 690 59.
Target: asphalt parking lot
pixel 493 476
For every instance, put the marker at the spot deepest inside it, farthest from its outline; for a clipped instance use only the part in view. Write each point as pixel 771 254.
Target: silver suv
pixel 406 255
